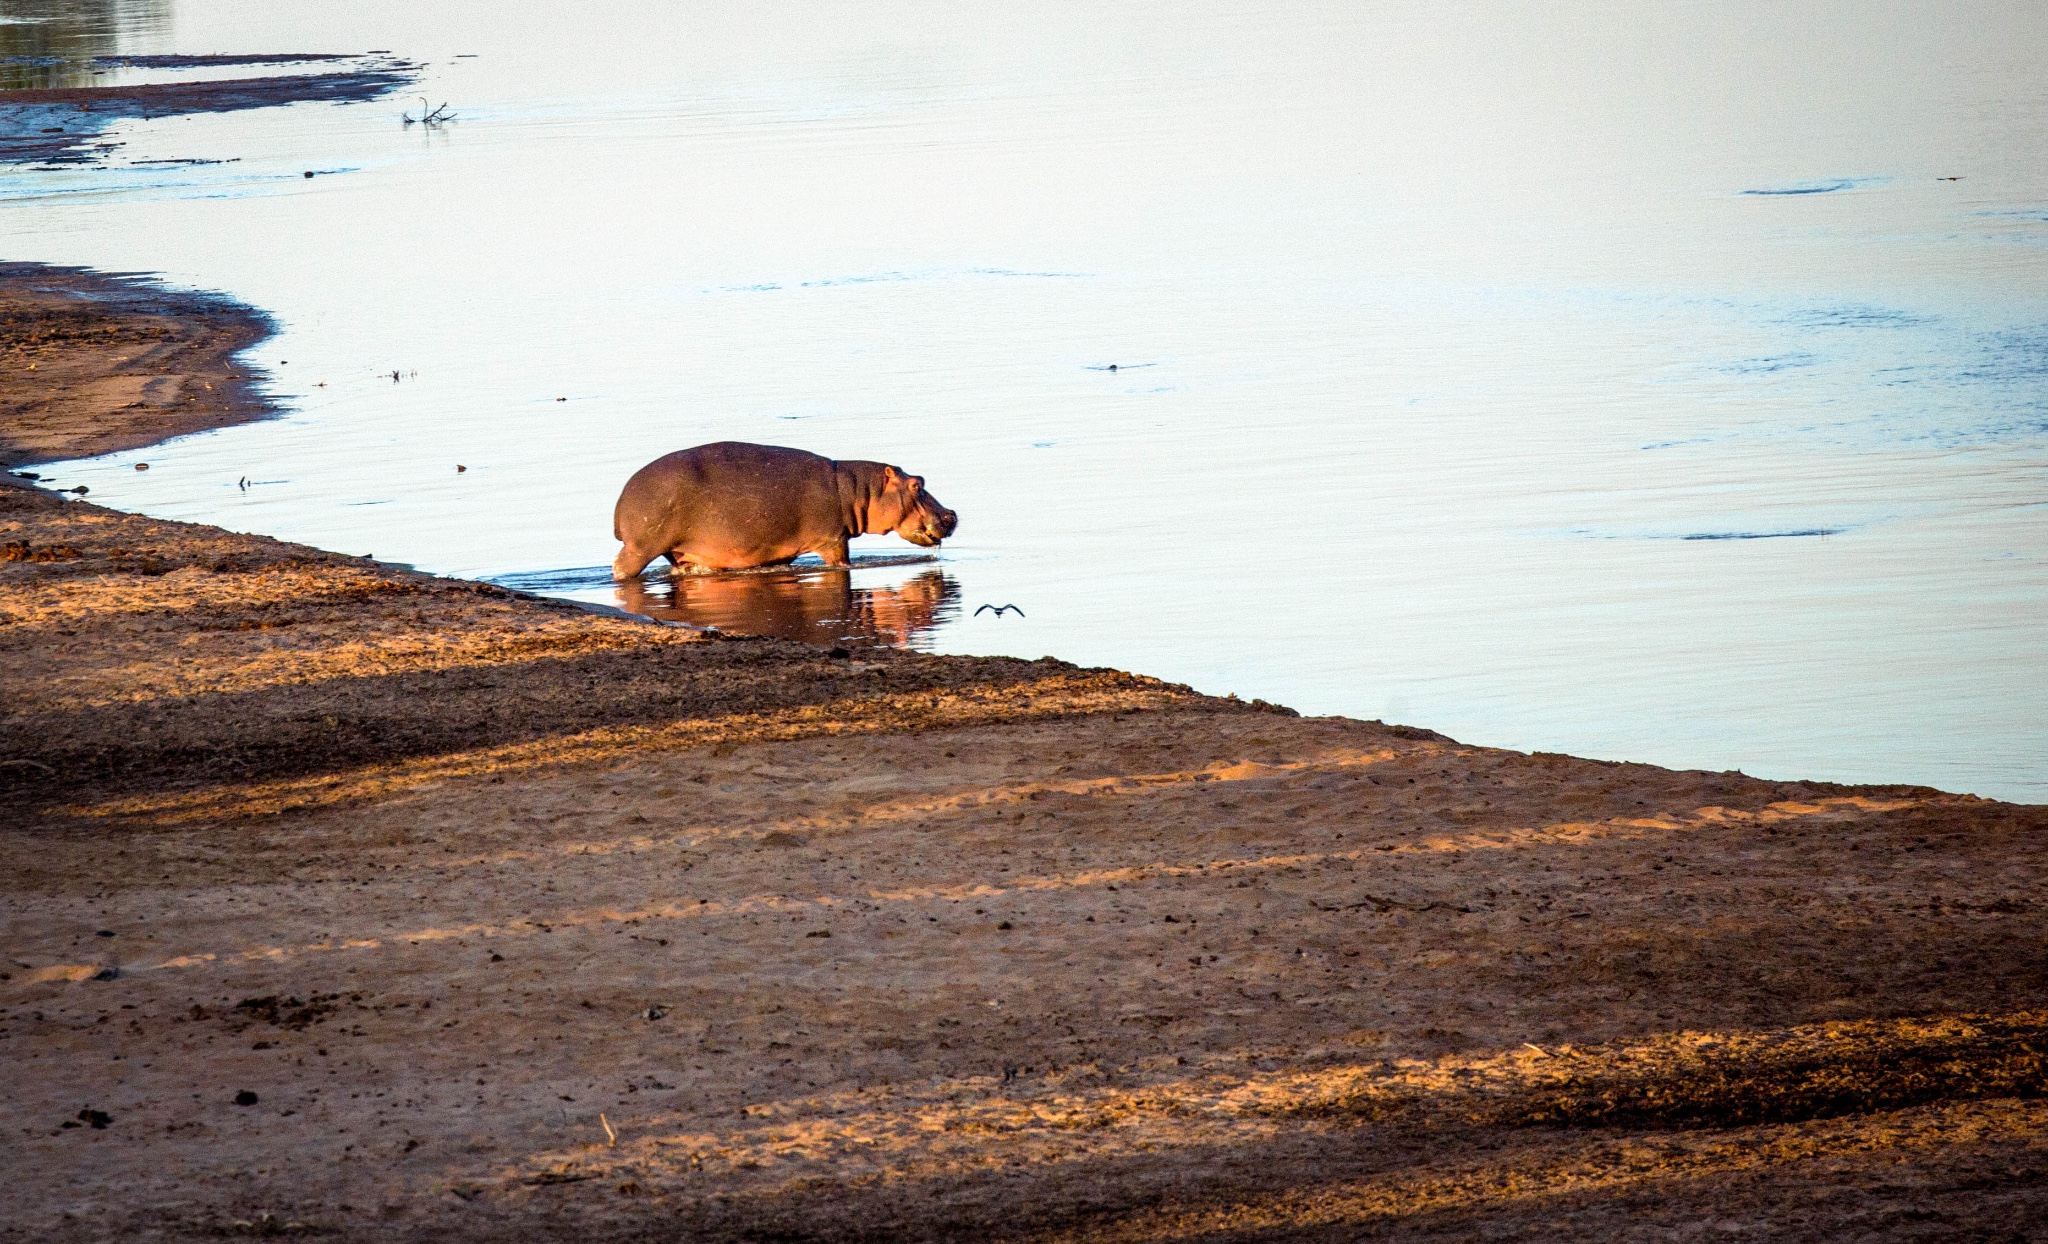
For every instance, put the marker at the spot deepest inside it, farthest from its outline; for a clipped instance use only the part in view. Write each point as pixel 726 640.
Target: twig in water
pixel 33 764
pixel 611 1137
pixel 426 117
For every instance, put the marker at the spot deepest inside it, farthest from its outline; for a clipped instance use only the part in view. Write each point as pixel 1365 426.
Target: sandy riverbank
pixel 95 364
pixel 513 921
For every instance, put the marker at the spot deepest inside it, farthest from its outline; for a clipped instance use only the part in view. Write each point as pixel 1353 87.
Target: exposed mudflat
pixel 350 903
pixel 92 363
pixel 64 125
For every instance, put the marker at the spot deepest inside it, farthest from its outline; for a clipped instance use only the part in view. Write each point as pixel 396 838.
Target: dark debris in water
pixel 1787 533
pixel 216 60
pixel 1765 535
pixel 1816 187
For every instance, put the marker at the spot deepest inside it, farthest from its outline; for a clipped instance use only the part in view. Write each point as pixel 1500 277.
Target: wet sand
pixel 348 902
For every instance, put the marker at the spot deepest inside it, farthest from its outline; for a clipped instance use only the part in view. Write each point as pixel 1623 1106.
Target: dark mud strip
pixel 216 61
pixel 61 125
pixel 1765 535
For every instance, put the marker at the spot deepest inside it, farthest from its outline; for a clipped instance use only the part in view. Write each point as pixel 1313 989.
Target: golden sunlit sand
pixel 350 903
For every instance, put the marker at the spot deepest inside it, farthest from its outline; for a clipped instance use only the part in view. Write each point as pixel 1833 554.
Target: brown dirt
pixel 95 364
pixel 522 922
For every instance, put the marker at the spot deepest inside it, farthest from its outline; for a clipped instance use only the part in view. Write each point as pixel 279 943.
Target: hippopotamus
pixel 733 506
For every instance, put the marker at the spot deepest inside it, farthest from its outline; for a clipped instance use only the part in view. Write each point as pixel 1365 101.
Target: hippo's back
pixel 731 479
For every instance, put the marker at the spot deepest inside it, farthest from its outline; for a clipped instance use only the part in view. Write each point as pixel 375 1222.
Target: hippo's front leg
pixel 629 563
pixel 834 554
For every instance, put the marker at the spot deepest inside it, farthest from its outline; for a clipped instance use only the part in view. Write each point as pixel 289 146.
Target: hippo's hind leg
pixel 835 554
pixel 630 562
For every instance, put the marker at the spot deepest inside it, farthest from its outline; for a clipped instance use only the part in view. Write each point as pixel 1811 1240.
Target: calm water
pixel 1625 383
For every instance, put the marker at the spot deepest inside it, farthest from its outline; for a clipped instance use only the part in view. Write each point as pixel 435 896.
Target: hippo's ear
pixel 890 475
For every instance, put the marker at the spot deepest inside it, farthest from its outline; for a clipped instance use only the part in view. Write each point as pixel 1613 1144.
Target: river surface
pixel 1662 383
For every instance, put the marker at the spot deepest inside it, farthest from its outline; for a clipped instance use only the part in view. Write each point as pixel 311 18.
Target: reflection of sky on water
pixel 1476 390
pixel 54 43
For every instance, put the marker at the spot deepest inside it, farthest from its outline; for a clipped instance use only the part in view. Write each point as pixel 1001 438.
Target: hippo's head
pixel 905 508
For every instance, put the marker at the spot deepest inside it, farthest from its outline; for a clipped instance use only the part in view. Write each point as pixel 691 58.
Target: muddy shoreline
pixel 347 902
pixel 96 363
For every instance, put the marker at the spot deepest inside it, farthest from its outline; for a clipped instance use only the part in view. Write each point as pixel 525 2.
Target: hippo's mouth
pixel 932 527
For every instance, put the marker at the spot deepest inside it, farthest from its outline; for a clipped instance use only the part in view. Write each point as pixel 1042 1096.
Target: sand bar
pixel 67 124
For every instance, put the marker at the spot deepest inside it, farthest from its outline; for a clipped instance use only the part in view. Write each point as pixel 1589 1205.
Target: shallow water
pixel 1625 384
pixel 808 600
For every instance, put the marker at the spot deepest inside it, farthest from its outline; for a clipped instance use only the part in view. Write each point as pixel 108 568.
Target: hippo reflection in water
pixel 817 605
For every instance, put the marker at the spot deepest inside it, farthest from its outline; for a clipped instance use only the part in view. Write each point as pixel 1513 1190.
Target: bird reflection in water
pixel 814 604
